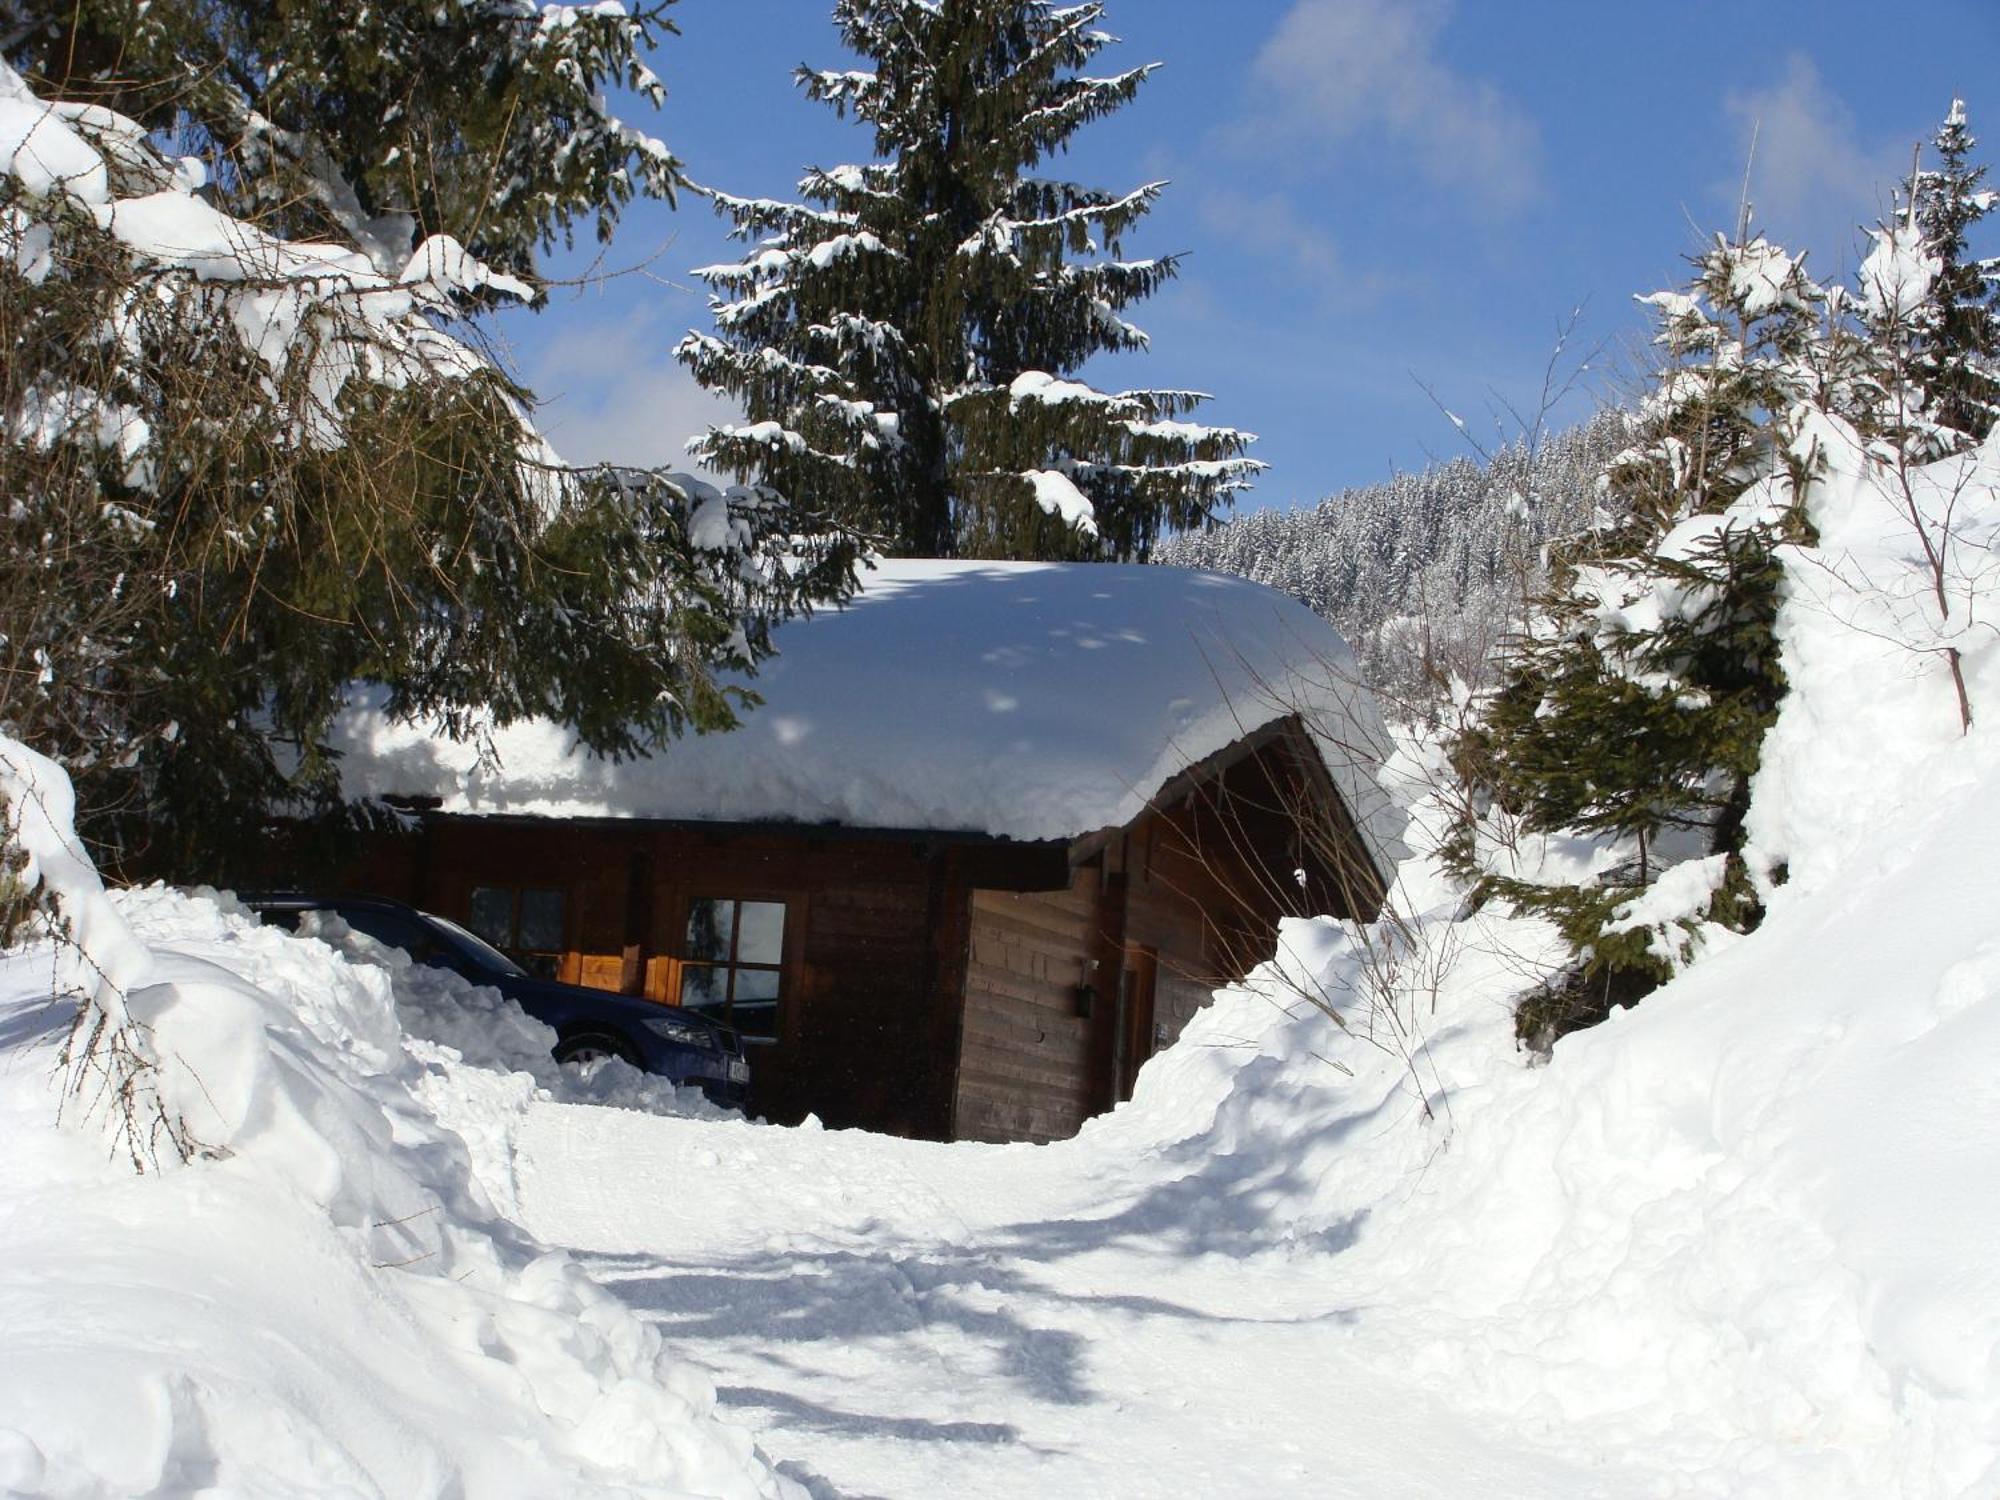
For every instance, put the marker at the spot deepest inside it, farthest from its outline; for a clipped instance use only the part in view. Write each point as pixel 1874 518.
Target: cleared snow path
pixel 903 1320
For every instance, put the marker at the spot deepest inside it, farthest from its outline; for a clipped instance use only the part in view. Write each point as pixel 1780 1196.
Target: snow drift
pixel 324 1301
pixel 1746 1230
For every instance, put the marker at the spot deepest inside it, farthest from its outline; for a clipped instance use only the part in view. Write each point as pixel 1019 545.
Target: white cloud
pixel 1813 180
pixel 1356 69
pixel 612 392
pixel 1271 225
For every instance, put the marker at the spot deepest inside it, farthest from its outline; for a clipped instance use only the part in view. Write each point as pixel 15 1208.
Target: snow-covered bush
pixel 51 897
pixel 1631 710
pixel 1632 714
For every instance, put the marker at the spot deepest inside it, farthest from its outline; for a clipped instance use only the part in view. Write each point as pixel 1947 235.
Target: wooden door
pixel 1135 1016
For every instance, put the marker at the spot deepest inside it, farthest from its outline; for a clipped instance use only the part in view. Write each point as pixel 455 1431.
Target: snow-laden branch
pixel 319 313
pixel 780 262
pixel 1001 233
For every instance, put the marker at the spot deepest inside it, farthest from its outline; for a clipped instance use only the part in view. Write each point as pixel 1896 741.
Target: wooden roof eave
pixel 1358 866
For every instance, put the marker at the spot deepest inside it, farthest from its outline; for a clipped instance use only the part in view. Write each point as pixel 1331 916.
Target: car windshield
pixel 476 948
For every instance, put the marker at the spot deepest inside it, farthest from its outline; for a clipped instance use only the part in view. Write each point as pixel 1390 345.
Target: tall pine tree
pixel 903 340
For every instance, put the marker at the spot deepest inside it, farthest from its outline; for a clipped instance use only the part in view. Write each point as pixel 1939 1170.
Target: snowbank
pixel 1744 1232
pixel 485 1060
pixel 1026 700
pixel 325 1302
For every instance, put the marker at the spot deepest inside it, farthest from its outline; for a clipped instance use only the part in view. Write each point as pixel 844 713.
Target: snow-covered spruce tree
pixel 242 473
pixel 1895 420
pixel 375 125
pixel 1630 720
pixel 1957 346
pixel 901 341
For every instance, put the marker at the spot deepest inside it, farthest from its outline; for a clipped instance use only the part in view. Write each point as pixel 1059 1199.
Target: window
pixel 392 930
pixel 732 963
pixel 527 925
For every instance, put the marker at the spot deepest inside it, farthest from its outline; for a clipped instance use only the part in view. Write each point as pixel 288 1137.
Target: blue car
pixel 590 1025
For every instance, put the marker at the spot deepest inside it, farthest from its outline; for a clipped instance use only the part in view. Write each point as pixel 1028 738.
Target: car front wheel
pixel 587 1052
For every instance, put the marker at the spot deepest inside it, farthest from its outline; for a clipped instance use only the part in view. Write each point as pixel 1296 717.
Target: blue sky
pixel 1372 195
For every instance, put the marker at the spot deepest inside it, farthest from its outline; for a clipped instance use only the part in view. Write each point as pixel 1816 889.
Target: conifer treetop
pixel 1957 326
pixel 905 338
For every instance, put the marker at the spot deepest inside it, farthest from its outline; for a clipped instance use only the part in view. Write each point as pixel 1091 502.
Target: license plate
pixel 739 1070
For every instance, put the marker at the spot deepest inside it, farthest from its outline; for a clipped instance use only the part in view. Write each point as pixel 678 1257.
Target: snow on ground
pixel 325 1303
pixel 1142 1312
pixel 1737 1242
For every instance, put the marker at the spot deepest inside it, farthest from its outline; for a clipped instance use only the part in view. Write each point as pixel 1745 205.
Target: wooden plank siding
pixel 1026 1067
pixel 930 983
pixel 870 979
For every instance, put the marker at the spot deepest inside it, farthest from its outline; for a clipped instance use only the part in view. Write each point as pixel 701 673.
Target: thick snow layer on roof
pixel 1024 700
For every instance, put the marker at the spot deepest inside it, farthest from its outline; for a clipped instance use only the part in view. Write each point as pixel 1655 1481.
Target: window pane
pixel 391 929
pixel 755 1011
pixel 493 915
pixel 709 927
pixel 705 989
pixel 541 920
pixel 760 933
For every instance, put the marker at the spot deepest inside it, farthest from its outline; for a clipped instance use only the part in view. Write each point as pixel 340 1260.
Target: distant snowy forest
pixel 1425 570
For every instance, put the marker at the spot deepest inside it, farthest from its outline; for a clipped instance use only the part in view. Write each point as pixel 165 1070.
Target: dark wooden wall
pixel 932 986
pixel 1211 874
pixel 873 941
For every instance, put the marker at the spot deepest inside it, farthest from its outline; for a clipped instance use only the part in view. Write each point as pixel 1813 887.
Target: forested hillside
pixel 1428 566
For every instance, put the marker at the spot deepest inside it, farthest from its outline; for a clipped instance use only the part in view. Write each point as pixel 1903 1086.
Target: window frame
pixel 533 961
pixel 792 905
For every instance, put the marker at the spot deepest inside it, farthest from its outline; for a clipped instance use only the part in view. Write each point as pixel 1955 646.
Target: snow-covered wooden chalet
pixel 994 835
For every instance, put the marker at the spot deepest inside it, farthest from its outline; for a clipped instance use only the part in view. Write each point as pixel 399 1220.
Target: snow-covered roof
pixel 1023 700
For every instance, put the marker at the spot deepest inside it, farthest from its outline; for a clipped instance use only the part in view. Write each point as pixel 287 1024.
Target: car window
pixel 482 954
pixel 392 929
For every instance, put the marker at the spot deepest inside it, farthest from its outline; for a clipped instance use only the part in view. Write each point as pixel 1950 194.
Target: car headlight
pixel 687 1033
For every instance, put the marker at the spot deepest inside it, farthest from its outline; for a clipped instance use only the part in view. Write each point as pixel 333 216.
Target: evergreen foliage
pixel 902 340
pixel 1605 771
pixel 1957 363
pixel 244 474
pixel 1633 710
pixel 376 125
pixel 1426 574
pixel 1631 717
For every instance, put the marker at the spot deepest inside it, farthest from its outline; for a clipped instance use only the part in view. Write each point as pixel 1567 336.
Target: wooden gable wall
pixel 1157 915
